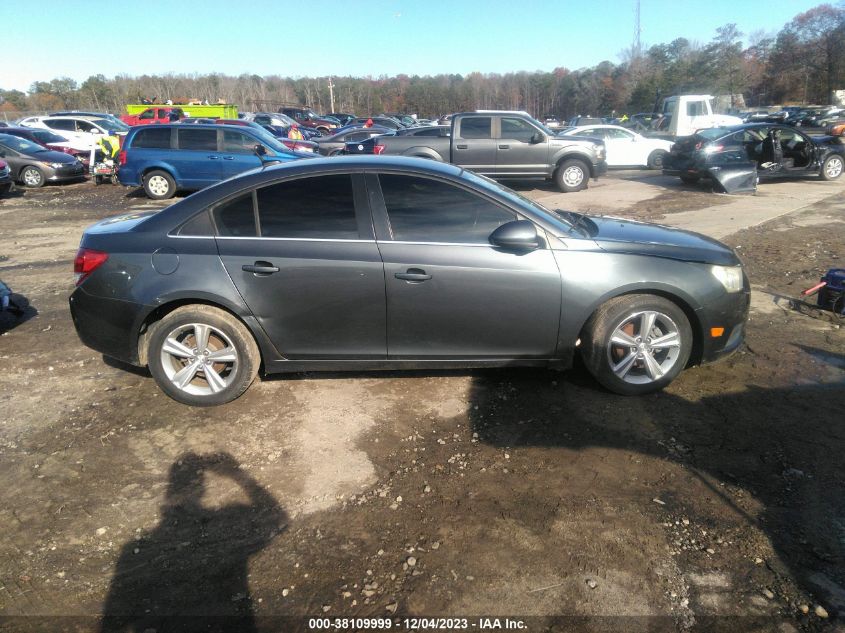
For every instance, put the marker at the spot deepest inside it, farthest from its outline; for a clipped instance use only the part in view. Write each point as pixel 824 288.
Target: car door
pixel 197 159
pixel 624 146
pixel 521 148
pixel 450 293
pixel 65 128
pixel 237 153
pixel 303 256
pixel 613 159
pixel 474 146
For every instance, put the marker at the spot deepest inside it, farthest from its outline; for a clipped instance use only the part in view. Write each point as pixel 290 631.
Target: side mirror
pixel 520 235
pixel 538 138
pixel 259 150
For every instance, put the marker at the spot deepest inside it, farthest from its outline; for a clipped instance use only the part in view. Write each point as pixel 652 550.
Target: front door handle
pixel 260 268
pixel 413 275
pixel 504 146
pixel 228 158
pixel 461 146
pixel 214 157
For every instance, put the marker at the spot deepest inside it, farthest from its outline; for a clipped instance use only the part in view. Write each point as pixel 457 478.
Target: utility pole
pixel 637 32
pixel 331 93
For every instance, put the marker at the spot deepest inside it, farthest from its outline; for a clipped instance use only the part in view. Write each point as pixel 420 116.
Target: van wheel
pixel 159 185
pixel 202 356
pixel 572 175
pixel 637 344
pixel 655 159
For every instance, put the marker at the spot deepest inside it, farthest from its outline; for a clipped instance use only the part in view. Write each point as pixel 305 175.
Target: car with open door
pixel 736 157
pixel 373 263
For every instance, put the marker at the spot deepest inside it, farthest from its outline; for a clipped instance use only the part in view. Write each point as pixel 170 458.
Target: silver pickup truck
pixel 504 145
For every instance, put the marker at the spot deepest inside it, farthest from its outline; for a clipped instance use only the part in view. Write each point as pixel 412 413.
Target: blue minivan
pixel 166 158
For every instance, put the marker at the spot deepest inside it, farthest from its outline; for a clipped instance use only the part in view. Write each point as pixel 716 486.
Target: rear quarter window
pixel 152 138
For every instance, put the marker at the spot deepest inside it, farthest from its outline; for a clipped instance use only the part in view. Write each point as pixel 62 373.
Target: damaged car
pixel 736 158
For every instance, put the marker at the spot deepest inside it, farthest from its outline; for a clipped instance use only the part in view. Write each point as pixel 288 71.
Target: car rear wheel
pixel 159 185
pixel 32 176
pixel 572 175
pixel 637 344
pixel 831 167
pixel 202 356
pixel 655 159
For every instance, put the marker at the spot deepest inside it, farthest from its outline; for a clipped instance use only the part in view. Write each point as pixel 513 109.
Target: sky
pixel 358 38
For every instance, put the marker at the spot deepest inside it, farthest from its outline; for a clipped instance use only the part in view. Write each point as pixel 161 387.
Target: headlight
pixel 598 149
pixel 729 276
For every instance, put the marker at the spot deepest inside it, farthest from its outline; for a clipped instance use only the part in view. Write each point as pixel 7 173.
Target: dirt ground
pixel 718 504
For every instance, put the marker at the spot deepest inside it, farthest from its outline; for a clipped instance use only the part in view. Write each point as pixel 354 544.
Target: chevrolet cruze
pixel 367 263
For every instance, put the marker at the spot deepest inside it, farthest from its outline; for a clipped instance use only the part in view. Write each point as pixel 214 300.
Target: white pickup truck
pixel 693 112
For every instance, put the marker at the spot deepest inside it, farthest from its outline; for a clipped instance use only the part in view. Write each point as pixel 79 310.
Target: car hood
pixel 53 156
pixel 619 235
pixel 827 140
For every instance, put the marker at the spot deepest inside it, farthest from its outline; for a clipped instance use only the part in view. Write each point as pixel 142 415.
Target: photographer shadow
pixel 190 573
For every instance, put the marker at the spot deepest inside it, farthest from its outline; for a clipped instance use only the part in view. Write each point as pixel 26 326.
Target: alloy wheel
pixel 833 167
pixel 644 347
pixel 32 177
pixel 199 359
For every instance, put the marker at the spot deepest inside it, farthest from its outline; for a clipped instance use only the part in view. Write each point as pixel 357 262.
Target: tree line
pixel 803 63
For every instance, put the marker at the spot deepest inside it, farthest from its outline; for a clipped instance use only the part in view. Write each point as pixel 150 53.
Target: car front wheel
pixel 832 167
pixel 572 175
pixel 33 177
pixel 637 344
pixel 159 185
pixel 202 356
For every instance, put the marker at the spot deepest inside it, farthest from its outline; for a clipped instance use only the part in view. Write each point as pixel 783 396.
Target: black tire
pixel 225 333
pixel 323 131
pixel 4 189
pixel 335 152
pixel 32 177
pixel 689 180
pixel 572 175
pixel 625 316
pixel 159 185
pixel 831 167
pixel 655 159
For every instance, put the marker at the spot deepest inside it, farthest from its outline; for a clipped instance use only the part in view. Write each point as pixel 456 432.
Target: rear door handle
pixel 461 146
pixel 260 268
pixel 214 157
pixel 228 158
pixel 504 146
pixel 413 275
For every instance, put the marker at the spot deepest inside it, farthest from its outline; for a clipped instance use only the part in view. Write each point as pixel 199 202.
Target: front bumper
pixel 73 171
pixel 599 169
pixel 730 313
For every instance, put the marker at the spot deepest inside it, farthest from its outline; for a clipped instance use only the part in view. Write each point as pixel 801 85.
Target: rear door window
pixel 61 124
pixel 319 207
pixel 476 127
pixel 198 139
pixel 236 218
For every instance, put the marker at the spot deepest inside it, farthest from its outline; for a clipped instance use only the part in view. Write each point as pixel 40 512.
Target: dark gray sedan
pixel 34 165
pixel 334 145
pixel 372 263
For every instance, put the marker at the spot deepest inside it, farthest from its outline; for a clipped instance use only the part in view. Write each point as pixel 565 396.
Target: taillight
pixel 288 144
pixel 121 157
pixel 378 149
pixel 86 262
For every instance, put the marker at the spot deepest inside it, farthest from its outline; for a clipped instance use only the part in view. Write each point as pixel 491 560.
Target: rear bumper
pixel 107 325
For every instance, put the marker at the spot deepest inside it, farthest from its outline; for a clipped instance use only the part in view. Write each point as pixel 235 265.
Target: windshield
pixel 20 144
pixel 111 126
pixel 519 199
pixel 46 136
pixel 271 141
